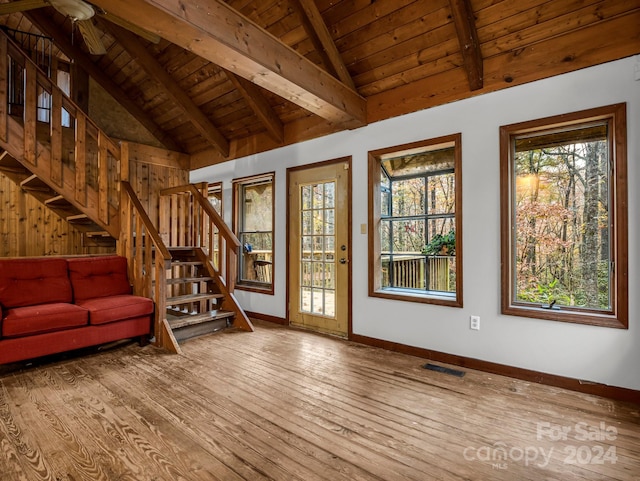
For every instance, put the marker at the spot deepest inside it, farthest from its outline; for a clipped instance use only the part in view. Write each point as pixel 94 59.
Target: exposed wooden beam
pixel 469 44
pixel 258 103
pixel 47 27
pixel 170 86
pixel 216 32
pixel 321 37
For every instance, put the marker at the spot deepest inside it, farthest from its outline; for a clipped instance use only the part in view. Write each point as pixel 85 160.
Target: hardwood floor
pixel 281 404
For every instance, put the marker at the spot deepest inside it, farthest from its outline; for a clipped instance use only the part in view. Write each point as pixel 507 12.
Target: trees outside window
pixel 415 222
pixel 564 219
pixel 253 224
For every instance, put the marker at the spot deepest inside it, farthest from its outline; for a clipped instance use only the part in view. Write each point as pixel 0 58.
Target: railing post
pixel 4 88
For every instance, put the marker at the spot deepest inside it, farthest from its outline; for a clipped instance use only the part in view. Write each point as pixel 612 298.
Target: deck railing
pixel 417 271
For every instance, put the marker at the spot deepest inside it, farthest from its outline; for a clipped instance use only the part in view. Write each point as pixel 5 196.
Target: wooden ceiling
pixel 236 77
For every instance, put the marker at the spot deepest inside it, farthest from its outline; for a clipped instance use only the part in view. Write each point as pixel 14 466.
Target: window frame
pixel 249 285
pixel 375 217
pixel 615 116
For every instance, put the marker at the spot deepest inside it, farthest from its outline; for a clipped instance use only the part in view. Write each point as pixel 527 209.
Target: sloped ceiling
pixel 232 78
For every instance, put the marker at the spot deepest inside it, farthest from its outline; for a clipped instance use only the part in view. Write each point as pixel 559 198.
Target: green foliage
pixel 441 245
pixel 545 294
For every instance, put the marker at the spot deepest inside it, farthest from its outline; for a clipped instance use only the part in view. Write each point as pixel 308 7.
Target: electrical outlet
pixel 474 323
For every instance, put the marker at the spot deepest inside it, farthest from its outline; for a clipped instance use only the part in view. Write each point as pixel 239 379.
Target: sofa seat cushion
pixel 103 276
pixel 103 310
pixel 28 282
pixel 31 320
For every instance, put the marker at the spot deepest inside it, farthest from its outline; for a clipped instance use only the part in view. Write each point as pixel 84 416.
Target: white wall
pixel 609 356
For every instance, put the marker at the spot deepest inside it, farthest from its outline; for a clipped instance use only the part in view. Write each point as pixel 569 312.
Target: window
pixel 564 219
pixel 415 222
pixel 253 224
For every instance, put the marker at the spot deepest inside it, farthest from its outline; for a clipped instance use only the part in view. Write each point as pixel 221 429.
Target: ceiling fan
pixel 81 13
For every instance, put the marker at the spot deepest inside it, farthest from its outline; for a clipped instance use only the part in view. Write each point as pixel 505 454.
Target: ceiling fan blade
pixel 141 32
pixel 91 37
pixel 21 6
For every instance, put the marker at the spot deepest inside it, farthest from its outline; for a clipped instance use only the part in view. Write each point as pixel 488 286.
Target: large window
pixel 564 219
pixel 254 210
pixel 415 226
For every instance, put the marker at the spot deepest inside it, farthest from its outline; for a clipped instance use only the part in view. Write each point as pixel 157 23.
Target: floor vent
pixel 446 370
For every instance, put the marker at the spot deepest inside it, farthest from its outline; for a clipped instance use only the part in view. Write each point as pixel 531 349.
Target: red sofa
pixel 52 305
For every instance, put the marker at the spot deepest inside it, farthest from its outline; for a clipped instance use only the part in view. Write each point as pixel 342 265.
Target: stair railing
pixel 148 260
pixel 187 218
pixel 57 141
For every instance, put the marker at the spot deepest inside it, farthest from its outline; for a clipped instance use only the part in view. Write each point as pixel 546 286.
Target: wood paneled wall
pixel 152 169
pixel 28 228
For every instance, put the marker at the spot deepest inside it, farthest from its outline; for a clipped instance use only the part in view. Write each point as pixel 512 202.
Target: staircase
pixel 54 151
pixel 93 235
pixel 82 175
pixel 194 302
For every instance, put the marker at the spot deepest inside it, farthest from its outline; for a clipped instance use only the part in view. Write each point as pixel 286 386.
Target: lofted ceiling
pixel 230 78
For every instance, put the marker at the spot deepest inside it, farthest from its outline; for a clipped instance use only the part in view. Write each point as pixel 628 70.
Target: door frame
pixel 344 160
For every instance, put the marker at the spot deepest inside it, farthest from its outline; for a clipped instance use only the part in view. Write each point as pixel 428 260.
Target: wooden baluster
pixel 30 113
pixel 103 178
pixel 4 88
pixel 56 136
pixel 81 158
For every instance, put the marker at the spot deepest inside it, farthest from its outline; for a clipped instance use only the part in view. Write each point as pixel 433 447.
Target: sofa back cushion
pixel 93 277
pixel 30 282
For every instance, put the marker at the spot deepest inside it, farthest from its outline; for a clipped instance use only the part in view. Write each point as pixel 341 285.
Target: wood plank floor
pixel 281 404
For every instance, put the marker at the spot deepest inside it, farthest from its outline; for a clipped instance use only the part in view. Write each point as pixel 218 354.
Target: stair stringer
pixel 230 303
pixel 166 339
pixel 14 146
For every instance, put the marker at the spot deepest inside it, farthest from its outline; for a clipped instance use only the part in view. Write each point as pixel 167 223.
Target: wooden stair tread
pixel 57 201
pixel 178 263
pixel 79 219
pixel 102 233
pixel 178 322
pixel 187 280
pixel 177 300
pixel 34 183
pixel 17 169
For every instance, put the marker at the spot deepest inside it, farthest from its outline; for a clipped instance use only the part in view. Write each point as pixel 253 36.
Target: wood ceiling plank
pixel 414 74
pixel 305 128
pixel 341 26
pixel 209 89
pixel 44 24
pixel 407 22
pixel 463 18
pixel 172 89
pixel 318 31
pixel 259 105
pixel 211 29
pixel 593 45
pixel 430 30
pixel 504 9
pixel 551 22
pixel 396 58
pixel 195 65
pixel 333 11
